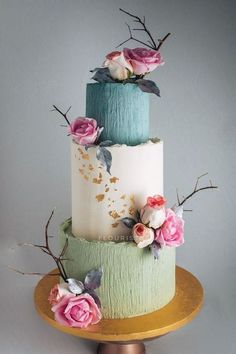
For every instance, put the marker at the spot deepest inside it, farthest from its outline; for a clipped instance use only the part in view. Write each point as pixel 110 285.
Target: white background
pixel 46 51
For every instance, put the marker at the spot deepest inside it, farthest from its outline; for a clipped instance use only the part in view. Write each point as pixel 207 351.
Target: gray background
pixel 47 49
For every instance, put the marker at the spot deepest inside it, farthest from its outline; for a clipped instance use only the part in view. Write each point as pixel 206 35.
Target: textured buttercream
pixel 133 283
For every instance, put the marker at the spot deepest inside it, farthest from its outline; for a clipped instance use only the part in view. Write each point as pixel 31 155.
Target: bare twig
pixel 46 249
pixel 196 190
pixel 32 273
pixel 151 42
pixel 63 114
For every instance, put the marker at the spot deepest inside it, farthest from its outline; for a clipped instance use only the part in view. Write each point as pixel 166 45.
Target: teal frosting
pixel 133 282
pixel 123 111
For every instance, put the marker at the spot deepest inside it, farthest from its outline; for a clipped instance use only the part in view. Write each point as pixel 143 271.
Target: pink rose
pixel 57 292
pixel 171 233
pixel 77 311
pixel 84 130
pixel 142 235
pixel 119 68
pixel 143 60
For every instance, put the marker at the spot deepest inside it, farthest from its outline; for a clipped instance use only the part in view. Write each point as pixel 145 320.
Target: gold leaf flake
pixel 81 171
pixel 132 211
pixel 91 167
pixel 107 189
pixel 85 156
pixel 114 179
pixel 123 196
pixel 97 181
pixel 86 177
pixel 81 151
pixel 122 211
pixel 114 214
pixel 100 197
pixel 115 224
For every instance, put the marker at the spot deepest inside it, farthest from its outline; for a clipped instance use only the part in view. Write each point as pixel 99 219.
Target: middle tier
pixel 100 199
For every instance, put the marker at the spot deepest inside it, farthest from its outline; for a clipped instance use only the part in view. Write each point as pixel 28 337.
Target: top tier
pixel 123 111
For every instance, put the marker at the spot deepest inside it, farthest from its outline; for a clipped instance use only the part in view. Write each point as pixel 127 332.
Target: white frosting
pixel 100 200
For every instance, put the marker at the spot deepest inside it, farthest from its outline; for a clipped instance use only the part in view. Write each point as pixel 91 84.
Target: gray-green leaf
pixel 148 86
pixel 93 279
pixel 102 75
pixel 75 286
pixel 155 249
pixel 106 143
pixel 105 157
pixel 129 222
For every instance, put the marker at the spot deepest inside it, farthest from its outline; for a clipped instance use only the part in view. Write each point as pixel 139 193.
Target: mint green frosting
pixel 123 111
pixel 133 282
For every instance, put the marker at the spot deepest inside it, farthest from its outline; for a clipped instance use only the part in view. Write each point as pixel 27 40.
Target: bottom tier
pixel 133 282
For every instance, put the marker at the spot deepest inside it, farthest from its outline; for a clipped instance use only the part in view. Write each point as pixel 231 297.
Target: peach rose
pixel 57 292
pixel 171 233
pixel 77 311
pixel 119 68
pixel 142 235
pixel 143 60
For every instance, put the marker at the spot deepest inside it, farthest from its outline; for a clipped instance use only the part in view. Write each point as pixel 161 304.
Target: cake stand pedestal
pixel 126 336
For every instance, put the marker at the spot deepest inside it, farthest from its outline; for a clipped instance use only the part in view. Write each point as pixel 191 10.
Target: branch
pixel 196 190
pixel 46 249
pixel 134 39
pixel 161 41
pixel 24 273
pixel 63 114
pixel 142 23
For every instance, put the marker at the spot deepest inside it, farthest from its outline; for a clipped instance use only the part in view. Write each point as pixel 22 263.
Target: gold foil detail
pixel 123 196
pixel 91 167
pixel 132 211
pixel 97 181
pixel 114 179
pixel 122 211
pixel 100 197
pixel 114 214
pixel 81 171
pixel 107 189
pixel 85 156
pixel 115 224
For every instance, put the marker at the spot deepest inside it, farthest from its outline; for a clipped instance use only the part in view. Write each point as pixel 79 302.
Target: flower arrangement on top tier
pixel 132 65
pixel 156 226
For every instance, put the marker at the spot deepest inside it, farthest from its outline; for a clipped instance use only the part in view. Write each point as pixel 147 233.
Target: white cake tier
pixel 100 200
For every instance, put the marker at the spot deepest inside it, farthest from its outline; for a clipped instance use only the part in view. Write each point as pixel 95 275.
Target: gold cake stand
pixel 126 336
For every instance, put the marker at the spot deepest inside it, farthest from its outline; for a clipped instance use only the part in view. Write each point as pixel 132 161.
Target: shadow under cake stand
pixel 126 336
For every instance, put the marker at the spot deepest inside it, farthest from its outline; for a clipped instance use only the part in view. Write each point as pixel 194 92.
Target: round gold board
pixel 182 309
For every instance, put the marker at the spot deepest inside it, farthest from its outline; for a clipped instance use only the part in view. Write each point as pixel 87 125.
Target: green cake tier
pixel 123 111
pixel 133 282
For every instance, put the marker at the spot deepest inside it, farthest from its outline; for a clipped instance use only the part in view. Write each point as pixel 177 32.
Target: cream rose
pixel 142 235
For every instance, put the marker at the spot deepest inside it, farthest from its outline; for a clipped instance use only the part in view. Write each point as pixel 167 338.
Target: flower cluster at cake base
pixel 157 226
pixel 75 303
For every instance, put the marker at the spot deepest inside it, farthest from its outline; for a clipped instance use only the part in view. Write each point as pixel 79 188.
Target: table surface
pixel 181 310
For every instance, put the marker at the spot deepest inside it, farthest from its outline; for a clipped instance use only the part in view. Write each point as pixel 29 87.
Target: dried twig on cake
pixel 150 42
pixel 63 114
pixel 47 249
pixel 195 190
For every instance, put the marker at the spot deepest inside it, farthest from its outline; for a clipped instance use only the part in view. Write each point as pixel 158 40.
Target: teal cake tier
pixel 133 282
pixel 123 111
